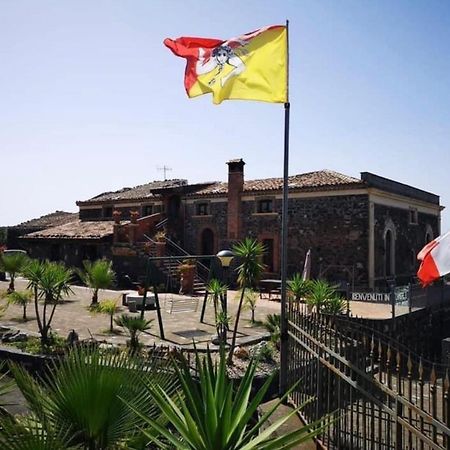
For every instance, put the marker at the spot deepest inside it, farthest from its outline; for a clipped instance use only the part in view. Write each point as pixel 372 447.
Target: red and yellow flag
pixel 249 67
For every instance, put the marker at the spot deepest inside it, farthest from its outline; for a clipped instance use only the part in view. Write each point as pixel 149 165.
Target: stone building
pixel 361 231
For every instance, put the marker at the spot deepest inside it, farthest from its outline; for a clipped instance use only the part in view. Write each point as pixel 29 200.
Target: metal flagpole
pixel 284 234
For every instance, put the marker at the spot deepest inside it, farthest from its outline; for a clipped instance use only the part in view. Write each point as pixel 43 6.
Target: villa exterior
pixel 361 231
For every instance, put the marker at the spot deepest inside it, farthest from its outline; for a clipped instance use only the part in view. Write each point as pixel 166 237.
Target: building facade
pixel 362 231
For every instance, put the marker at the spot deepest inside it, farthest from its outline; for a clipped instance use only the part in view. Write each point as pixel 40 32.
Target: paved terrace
pixel 181 327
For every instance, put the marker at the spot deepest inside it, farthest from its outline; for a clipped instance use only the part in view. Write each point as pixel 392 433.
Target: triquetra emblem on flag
pixel 250 67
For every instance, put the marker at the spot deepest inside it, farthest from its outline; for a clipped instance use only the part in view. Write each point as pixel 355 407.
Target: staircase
pixel 169 267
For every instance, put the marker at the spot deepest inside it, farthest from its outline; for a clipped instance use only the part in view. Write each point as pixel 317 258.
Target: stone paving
pixel 180 327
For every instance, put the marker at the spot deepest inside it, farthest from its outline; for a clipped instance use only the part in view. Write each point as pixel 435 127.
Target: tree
pixel 250 300
pixel 250 252
pixel 97 275
pixel 213 413
pixel 21 298
pixel 82 403
pixel 13 263
pixel 49 282
pixel 217 291
pixel 108 307
pixel 135 326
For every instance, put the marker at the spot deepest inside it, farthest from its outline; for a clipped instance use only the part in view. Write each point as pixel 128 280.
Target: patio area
pixel 180 317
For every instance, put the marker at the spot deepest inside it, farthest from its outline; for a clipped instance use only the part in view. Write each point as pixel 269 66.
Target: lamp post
pixel 225 257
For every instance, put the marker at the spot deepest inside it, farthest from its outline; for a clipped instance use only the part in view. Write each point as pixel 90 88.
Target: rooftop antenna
pixel 165 169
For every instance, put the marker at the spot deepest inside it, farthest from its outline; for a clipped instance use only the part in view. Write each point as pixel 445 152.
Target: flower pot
pixel 187 279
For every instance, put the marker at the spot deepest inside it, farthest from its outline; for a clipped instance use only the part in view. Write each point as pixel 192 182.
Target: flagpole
pixel 284 234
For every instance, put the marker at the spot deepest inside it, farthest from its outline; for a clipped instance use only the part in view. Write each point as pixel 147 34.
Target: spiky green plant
pixel 6 386
pixel 273 325
pixel 13 263
pixel 320 292
pixel 250 252
pixel 21 298
pixel 216 290
pixel 213 412
pixel 250 300
pixel 79 404
pixel 134 326
pixel 298 288
pixel 97 275
pixel 108 307
pixel 335 305
pixel 49 282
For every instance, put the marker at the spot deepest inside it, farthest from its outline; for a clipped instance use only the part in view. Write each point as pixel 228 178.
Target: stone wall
pixel 409 238
pixel 335 228
pixel 216 220
pixel 72 253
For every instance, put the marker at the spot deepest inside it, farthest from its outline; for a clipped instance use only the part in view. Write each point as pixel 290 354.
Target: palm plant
pixel 334 305
pixel 213 413
pixel 81 404
pixel 298 288
pixel 216 290
pixel 135 326
pixel 319 294
pixel 250 252
pixel 21 298
pixel 250 300
pixel 12 263
pixel 273 325
pixel 108 307
pixel 49 281
pixel 97 275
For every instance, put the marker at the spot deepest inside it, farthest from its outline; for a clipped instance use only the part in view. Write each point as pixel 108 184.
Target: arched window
pixel 389 249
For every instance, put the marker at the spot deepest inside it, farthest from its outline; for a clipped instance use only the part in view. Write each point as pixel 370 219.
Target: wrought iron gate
pixel 377 394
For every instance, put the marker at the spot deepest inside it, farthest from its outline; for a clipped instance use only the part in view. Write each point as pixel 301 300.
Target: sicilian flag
pixel 435 257
pixel 248 67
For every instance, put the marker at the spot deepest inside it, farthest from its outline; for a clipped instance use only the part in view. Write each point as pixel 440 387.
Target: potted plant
pixel 160 238
pixel 187 275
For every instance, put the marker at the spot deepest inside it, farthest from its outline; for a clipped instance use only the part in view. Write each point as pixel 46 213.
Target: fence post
pixel 392 295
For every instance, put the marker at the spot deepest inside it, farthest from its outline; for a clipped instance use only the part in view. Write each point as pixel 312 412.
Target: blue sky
pixel 91 101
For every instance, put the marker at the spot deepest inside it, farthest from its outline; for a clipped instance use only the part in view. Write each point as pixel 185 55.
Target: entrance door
pixel 207 242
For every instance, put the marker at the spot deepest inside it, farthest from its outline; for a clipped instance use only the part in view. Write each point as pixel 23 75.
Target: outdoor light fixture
pixel 225 257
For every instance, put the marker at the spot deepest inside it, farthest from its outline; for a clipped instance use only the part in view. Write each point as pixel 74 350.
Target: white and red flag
pixel 435 257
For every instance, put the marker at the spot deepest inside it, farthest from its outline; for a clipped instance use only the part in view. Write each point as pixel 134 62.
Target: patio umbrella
pixel 307 267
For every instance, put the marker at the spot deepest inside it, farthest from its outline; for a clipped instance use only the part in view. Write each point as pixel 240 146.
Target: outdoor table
pixel 269 286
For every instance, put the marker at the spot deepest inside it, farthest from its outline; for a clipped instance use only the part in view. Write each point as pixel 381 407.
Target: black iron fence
pixel 376 393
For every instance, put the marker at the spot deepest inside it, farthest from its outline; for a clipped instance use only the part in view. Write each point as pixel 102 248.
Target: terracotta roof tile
pixel 322 179
pixel 49 220
pixel 75 230
pixel 140 192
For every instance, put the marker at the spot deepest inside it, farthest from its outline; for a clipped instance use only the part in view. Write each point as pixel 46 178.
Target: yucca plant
pixel 216 290
pixel 298 288
pixel 249 252
pixel 135 326
pixel 335 305
pixel 49 282
pixel 213 412
pixel 13 263
pixel 320 292
pixel 97 275
pixel 80 404
pixel 21 298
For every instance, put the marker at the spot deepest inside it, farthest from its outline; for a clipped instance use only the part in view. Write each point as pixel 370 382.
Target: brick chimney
pixel 235 188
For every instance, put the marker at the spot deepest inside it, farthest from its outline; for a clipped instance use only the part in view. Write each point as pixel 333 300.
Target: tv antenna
pixel 165 169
